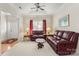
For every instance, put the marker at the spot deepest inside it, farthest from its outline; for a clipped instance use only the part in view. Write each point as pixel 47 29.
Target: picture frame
pixel 64 21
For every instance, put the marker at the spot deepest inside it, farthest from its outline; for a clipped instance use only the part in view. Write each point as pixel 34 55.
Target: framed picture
pixel 64 21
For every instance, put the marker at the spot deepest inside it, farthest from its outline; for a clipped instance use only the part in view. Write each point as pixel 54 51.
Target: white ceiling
pixel 50 8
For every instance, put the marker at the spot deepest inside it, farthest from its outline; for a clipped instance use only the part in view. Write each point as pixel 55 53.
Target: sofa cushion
pixel 54 36
pixel 74 37
pixel 50 37
pixel 55 41
pixel 55 33
pixel 58 38
pixel 67 35
pixel 60 33
pixel 63 40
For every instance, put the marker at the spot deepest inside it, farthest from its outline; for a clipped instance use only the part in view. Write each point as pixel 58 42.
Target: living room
pixel 17 27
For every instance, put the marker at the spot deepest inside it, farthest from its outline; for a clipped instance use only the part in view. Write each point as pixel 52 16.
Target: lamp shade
pixel 48 29
pixel 27 29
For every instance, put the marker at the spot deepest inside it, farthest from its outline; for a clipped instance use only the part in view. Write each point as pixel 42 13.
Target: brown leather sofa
pixel 37 34
pixel 63 42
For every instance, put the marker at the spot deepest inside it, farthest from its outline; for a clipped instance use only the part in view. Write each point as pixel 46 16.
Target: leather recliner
pixel 63 42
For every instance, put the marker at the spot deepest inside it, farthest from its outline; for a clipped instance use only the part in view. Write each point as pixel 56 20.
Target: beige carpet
pixel 29 48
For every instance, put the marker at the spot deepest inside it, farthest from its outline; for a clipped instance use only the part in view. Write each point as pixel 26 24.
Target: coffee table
pixel 40 42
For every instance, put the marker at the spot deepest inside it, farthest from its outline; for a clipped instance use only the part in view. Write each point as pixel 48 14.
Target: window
pixel 37 25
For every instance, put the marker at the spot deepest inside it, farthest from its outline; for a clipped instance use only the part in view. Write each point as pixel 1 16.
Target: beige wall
pixel 4 20
pixel 73 11
pixel 49 20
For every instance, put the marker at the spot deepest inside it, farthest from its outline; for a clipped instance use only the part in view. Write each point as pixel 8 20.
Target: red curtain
pixel 44 26
pixel 31 26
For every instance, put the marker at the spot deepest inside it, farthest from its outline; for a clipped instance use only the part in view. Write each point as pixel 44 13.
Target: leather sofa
pixel 63 42
pixel 37 34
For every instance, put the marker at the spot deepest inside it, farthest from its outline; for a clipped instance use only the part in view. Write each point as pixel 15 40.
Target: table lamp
pixel 48 30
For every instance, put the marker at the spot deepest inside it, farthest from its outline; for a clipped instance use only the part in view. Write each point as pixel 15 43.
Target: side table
pixel 26 38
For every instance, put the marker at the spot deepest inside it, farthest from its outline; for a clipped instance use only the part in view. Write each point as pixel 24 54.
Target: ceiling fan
pixel 38 7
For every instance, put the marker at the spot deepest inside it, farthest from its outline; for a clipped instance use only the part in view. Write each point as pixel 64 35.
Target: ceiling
pixel 50 8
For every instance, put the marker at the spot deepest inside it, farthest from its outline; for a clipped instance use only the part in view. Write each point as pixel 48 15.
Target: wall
pixel 73 11
pixel 6 8
pixel 49 20
pixel 2 26
pixel 20 36
pixel 12 27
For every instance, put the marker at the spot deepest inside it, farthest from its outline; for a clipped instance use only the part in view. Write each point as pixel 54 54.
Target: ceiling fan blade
pixel 33 8
pixel 36 4
pixel 41 8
